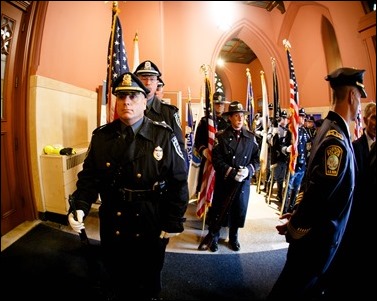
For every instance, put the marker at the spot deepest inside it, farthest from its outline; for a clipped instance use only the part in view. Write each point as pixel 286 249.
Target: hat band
pixel 120 89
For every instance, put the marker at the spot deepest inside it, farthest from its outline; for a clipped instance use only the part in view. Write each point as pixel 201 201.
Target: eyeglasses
pixel 132 96
pixel 145 78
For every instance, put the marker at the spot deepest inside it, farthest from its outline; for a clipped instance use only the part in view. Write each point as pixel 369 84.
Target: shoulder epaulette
pixel 169 105
pixel 163 124
pixel 335 133
pixel 99 128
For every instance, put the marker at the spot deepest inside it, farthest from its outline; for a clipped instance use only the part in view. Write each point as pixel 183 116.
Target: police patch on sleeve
pixel 158 153
pixel 333 157
pixel 177 147
pixel 177 119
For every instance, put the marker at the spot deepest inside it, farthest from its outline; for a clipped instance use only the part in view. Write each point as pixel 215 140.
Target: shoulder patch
pixel 333 157
pixel 177 147
pixel 177 119
pixel 335 133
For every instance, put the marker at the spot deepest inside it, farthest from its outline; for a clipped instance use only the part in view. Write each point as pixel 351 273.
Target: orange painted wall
pixel 180 36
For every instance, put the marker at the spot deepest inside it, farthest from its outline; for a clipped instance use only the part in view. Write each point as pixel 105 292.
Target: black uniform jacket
pixel 228 155
pixel 161 111
pixel 142 185
pixel 324 202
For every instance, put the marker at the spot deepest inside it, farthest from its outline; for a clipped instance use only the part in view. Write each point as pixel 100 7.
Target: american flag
pixel 208 185
pixel 249 99
pixel 293 106
pixel 117 62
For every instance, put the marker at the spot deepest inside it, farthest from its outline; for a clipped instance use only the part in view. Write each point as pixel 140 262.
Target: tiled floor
pixel 259 233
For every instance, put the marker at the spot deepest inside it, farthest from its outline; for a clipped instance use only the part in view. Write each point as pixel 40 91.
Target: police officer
pixel 201 134
pixel 235 158
pixel 160 88
pixel 137 168
pixel 279 159
pixel 157 109
pixel 303 148
pixel 315 228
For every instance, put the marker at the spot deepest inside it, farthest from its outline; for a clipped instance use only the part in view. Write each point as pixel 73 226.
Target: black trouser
pixel 134 268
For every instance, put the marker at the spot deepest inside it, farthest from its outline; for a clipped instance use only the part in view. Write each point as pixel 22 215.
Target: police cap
pixel 129 82
pixel 147 68
pixel 160 82
pixel 219 97
pixel 310 117
pixel 235 107
pixel 284 114
pixel 347 77
pixel 301 112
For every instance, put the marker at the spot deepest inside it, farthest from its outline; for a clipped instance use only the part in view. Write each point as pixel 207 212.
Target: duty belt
pixel 130 195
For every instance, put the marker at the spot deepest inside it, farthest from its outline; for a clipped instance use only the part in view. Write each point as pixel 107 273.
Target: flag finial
pixel 286 44
pixel 205 68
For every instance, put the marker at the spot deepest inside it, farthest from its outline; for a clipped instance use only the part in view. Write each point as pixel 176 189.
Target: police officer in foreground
pixel 137 168
pixel 157 109
pixel 315 229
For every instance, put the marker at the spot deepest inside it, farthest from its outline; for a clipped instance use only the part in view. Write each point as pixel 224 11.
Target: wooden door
pixel 16 199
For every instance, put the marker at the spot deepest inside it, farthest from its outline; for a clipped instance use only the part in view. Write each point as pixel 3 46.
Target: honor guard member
pixel 303 150
pixel 315 229
pixel 157 109
pixel 137 168
pixel 279 159
pixel 201 134
pixel 160 88
pixel 235 157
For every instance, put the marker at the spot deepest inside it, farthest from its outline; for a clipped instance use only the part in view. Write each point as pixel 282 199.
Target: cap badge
pixel 127 81
pixel 147 66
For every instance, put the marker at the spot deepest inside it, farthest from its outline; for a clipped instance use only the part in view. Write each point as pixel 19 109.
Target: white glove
pixel 275 131
pixel 167 235
pixel 289 149
pixel 241 174
pixel 79 224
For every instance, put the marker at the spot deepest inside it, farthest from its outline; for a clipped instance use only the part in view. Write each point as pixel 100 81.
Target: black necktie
pixel 129 134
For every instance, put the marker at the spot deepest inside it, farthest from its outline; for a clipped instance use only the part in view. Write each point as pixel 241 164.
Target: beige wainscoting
pixel 61 114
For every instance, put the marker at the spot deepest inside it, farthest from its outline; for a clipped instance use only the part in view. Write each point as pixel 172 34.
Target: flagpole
pixel 115 11
pixel 136 52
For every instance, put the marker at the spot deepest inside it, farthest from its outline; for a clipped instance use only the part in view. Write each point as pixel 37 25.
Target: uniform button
pixel 108 164
pixel 137 235
pixel 138 175
pixel 117 232
pixel 119 213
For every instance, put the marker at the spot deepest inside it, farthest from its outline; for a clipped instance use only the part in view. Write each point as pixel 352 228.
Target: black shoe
pixel 214 246
pixel 234 245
